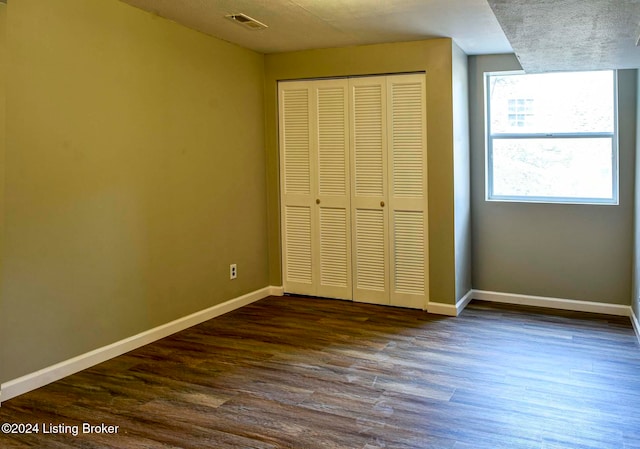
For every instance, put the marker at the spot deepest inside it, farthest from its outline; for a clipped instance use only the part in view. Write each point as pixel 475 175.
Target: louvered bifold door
pixel 406 115
pixel 315 191
pixel 368 139
pixel 296 184
pixel 332 191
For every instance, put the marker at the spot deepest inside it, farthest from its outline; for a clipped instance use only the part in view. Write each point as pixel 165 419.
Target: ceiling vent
pixel 247 21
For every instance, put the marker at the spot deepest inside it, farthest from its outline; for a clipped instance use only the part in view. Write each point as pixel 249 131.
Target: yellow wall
pixel 135 176
pixel 433 56
pixel 3 70
pixel 635 279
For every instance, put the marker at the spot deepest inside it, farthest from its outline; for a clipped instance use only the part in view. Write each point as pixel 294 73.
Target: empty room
pixel 319 224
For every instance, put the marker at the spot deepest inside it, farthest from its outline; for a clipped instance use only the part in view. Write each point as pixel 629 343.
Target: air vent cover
pixel 247 21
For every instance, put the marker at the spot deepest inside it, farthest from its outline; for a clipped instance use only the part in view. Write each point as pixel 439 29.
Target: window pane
pixel 553 167
pixel 552 102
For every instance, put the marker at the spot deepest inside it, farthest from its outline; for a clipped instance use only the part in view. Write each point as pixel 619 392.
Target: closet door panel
pixel 297 251
pixel 295 127
pixel 297 180
pixel 409 249
pixel 334 257
pixel 368 139
pixel 408 190
pixel 368 142
pixel 370 263
pixel 332 139
pixel 332 191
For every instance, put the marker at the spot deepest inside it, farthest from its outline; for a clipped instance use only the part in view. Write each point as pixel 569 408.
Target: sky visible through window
pixel 551 136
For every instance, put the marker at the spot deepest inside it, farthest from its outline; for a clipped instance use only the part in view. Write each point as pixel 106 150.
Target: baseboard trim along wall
pixel 55 372
pixel 440 308
pixel 553 303
pixel 636 324
pixel 66 368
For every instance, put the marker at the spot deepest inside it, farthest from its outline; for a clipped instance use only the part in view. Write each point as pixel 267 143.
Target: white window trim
pixel 489 196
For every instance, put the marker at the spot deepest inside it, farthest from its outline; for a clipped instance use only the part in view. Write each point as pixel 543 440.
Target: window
pixel 552 137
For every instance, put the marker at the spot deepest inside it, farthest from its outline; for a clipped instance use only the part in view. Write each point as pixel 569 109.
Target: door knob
pixel 317 200
pixel 381 203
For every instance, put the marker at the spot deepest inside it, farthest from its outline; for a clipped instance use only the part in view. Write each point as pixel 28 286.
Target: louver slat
pixel 297 222
pixel 407 140
pixel 333 248
pixel 368 135
pixel 295 141
pixel 409 254
pixel 332 150
pixel 370 257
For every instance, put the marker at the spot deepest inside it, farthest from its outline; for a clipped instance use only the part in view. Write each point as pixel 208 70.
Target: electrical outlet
pixel 233 271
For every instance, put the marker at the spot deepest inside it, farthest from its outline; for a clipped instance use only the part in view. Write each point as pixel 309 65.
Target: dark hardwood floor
pixel 309 373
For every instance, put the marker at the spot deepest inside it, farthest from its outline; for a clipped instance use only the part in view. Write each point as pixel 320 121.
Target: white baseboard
pixel 276 291
pixel 636 324
pixel 55 372
pixel 440 308
pixel 553 303
pixel 464 301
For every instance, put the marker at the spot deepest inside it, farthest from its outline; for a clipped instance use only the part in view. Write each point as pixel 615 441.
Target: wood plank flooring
pixel 314 373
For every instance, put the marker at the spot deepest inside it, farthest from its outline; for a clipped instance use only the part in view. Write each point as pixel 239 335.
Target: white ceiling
pixel 546 35
pixel 305 24
pixel 558 35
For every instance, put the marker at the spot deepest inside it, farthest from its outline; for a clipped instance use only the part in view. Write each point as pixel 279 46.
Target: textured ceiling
pixel 556 35
pixel 305 24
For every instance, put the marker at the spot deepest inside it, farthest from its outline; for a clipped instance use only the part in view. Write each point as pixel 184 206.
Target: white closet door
pixel 406 115
pixel 368 139
pixel 316 221
pixel 354 189
pixel 332 191
pixel 297 196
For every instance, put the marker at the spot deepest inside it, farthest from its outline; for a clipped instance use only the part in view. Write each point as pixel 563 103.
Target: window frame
pixel 489 138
